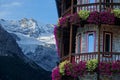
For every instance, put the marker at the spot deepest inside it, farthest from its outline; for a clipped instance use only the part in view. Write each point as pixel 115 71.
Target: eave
pixel 58 4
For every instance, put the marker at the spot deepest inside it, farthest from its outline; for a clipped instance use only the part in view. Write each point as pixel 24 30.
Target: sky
pixel 41 10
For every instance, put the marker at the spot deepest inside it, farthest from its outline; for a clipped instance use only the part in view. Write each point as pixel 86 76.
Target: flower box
pixel 116 76
pixel 88 76
pixel 106 77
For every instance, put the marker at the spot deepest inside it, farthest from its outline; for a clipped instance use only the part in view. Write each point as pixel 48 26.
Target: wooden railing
pixel 103 56
pixel 91 7
pixel 96 6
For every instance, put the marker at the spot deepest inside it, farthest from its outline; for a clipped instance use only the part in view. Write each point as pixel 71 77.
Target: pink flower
pixel 56 74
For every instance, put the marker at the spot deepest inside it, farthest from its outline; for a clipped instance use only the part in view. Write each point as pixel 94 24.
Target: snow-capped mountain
pixel 35 39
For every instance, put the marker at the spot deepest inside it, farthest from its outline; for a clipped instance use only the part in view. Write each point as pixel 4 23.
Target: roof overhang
pixel 58 4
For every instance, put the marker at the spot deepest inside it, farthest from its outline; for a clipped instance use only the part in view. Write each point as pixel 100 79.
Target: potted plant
pixel 83 14
pixel 91 67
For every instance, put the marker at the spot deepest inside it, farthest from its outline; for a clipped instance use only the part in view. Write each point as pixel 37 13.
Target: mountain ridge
pixel 36 40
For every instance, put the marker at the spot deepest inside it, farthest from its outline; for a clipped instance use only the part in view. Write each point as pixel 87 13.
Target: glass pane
pixel 90 43
pixel 92 1
pixel 107 43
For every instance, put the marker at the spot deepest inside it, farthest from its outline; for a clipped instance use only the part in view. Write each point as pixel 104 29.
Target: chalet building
pixel 89 30
pixel 84 40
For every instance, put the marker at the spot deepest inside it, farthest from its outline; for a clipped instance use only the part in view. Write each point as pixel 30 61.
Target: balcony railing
pixel 91 7
pixel 96 6
pixel 103 56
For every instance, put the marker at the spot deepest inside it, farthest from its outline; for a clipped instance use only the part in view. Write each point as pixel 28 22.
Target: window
pixel 91 42
pixel 107 42
pixel 107 3
pixel 78 44
pixel 91 1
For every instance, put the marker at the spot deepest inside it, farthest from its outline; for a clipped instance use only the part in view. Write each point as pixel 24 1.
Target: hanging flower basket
pixel 94 18
pixel 107 18
pixel 74 19
pixel 83 14
pixel 64 21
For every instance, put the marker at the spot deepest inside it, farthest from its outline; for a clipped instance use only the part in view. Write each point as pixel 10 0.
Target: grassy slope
pixel 12 68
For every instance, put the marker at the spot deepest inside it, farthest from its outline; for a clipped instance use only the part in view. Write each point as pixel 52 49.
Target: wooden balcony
pixel 103 56
pixel 97 6
pixel 91 7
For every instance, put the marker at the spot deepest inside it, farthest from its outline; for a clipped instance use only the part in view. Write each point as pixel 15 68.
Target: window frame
pixel 80 45
pixel 104 43
pixel 87 36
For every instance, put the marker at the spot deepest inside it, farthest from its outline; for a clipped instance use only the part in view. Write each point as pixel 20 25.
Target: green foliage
pixel 83 14
pixel 92 64
pixel 116 13
pixel 62 67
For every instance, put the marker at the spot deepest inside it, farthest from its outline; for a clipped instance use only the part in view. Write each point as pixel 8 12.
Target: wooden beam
pixel 100 5
pixel 99 29
pixel 70 48
pixel 62 6
pixel 61 46
pixel 111 4
pixel 71 32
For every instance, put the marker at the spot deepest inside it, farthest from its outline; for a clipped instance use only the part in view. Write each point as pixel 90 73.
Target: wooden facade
pixel 69 33
pixel 65 7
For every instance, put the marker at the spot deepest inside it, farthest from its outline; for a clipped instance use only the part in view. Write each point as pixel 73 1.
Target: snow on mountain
pixel 35 39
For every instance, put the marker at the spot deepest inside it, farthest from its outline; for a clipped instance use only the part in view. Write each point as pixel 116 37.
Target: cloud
pixel 12 4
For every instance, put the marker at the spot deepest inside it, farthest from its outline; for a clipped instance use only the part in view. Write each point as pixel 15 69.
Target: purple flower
pixel 105 68
pixel 56 34
pixel 116 67
pixel 56 74
pixel 107 18
pixel 74 69
pixel 94 17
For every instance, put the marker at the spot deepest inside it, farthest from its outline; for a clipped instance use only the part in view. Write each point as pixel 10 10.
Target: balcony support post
pixel 70 48
pixel 71 35
pixel 99 29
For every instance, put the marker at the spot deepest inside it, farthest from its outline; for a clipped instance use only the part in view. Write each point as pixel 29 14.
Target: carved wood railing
pixel 96 6
pixel 91 7
pixel 104 56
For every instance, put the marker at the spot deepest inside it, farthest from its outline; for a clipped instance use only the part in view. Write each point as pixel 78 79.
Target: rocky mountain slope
pixel 35 39
pixel 14 65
